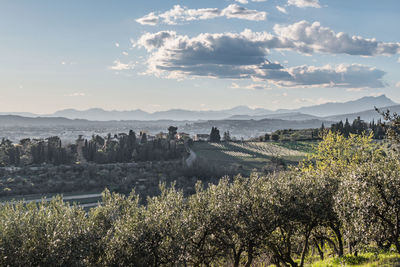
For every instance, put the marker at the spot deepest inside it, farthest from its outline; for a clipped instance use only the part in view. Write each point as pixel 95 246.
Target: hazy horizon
pixel 199 110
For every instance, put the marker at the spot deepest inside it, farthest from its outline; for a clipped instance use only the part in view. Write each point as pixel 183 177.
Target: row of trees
pixel 359 126
pixel 345 197
pixel 111 149
pixel 129 147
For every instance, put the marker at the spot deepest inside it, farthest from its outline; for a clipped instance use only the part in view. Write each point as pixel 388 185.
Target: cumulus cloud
pixel 312 37
pixel 342 76
pixel 118 65
pixel 281 9
pixel 242 1
pixel 398 84
pixel 244 56
pixel 180 14
pixel 304 3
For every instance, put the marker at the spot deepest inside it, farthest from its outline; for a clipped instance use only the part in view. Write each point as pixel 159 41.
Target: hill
pixel 367 115
pixel 235 113
pixel 330 109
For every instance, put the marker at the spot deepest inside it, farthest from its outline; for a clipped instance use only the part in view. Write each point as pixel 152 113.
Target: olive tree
pixel 148 235
pixel 368 202
pixel 43 234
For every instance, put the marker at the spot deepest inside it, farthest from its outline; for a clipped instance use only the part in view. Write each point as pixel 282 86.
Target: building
pixel 182 136
pixel 202 137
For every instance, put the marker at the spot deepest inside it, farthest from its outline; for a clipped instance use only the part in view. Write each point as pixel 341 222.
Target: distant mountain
pixel 330 109
pixel 293 116
pixel 23 114
pixel 367 115
pixel 98 114
pixel 236 113
pixel 20 121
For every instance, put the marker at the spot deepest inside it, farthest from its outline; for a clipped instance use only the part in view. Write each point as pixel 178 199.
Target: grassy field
pixel 247 156
pixel 363 260
pixel 302 146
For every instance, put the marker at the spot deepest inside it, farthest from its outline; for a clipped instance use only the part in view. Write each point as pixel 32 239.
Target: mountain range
pixel 328 111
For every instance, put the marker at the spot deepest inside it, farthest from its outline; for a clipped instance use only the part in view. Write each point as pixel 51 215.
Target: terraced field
pixel 248 156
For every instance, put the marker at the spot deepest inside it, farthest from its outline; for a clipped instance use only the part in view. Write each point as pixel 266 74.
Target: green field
pixel 303 146
pixel 248 156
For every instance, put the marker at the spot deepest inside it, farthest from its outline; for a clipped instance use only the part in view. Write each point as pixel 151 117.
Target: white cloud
pixel 339 76
pixel 125 53
pixel 63 63
pixel 258 1
pixel 398 84
pixel 116 44
pixel 118 65
pixel 242 1
pixel 398 60
pixel 180 14
pixel 244 56
pixel 149 19
pixel 281 9
pixel 302 36
pixel 235 11
pixel 75 94
pixel 312 37
pixel 304 3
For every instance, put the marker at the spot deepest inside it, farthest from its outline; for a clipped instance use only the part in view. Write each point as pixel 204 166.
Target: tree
pixel 172 131
pixel 275 137
pixel 227 136
pixel 143 138
pixel 368 202
pixel 215 137
pixel 43 234
pixel 346 128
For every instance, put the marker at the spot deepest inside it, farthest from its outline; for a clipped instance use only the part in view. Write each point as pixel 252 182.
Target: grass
pixel 247 155
pixel 362 260
pixel 302 146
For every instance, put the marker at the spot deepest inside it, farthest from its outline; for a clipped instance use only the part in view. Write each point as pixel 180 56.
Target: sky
pixel 198 55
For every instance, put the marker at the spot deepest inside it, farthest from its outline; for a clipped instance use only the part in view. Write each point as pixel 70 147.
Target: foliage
pixel 215 137
pixel 111 149
pixel 346 193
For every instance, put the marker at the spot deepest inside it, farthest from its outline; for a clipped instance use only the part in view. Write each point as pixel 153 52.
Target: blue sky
pixel 155 55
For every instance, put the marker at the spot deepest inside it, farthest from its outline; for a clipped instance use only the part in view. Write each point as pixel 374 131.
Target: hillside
pixel 367 115
pixel 235 113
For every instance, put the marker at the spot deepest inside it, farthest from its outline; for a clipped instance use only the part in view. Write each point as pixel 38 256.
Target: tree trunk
pixel 339 238
pixel 303 254
pixel 340 241
pixel 249 256
pixel 320 252
pixel 236 257
pixel 397 244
